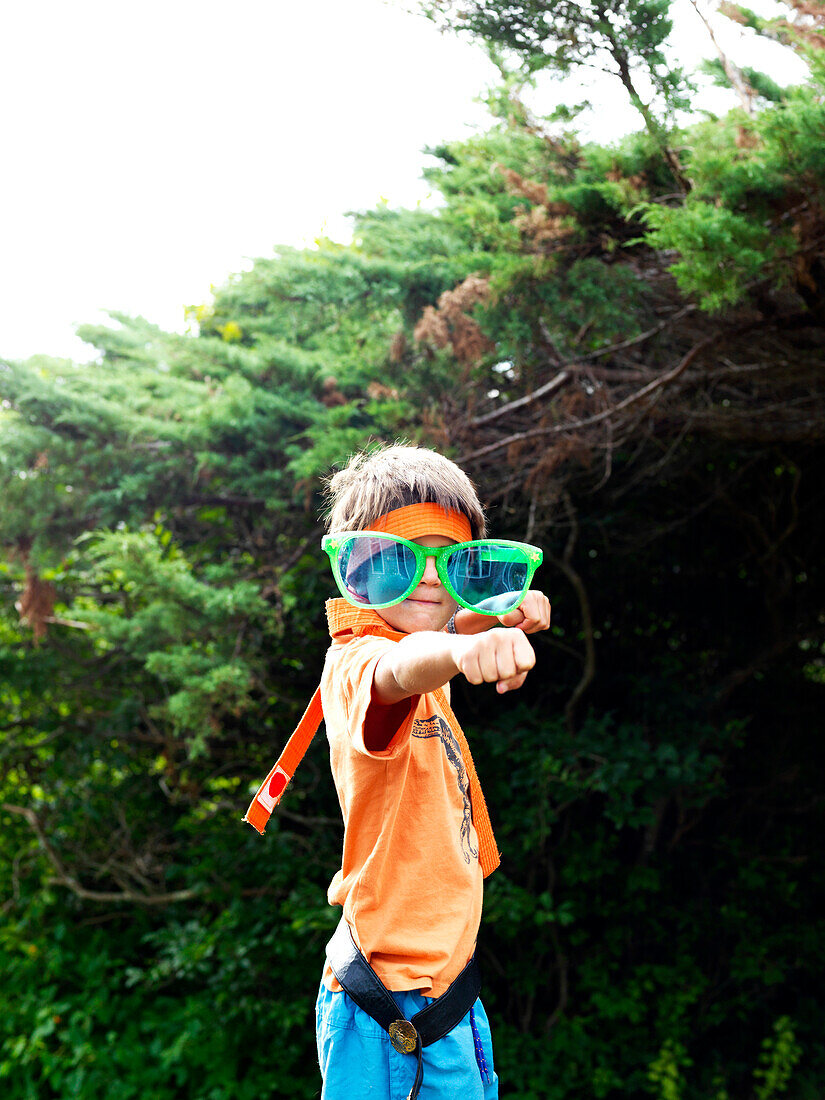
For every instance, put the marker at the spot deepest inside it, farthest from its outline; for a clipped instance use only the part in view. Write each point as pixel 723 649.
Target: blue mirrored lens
pixel 375 571
pixel 490 577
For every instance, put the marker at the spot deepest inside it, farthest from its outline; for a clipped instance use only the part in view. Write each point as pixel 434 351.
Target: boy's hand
pixel 531 615
pixel 502 657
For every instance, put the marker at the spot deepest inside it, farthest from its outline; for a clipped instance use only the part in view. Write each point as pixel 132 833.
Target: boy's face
pixel 430 605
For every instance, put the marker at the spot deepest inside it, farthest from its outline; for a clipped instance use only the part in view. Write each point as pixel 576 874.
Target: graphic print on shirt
pixel 437 727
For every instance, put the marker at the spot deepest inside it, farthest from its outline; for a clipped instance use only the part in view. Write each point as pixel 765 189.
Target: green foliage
pixel 780 1053
pixel 761 83
pixel 108 1012
pixel 665 1073
pixel 731 232
pixel 182 629
pixel 723 252
pixel 589 300
pixel 628 39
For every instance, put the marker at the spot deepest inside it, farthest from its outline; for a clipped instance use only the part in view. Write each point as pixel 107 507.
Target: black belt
pixel 433 1022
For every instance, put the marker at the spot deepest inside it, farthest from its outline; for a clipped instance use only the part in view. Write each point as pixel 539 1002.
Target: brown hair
pixel 375 482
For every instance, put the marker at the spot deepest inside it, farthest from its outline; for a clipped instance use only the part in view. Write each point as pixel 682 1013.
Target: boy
pixel 417 840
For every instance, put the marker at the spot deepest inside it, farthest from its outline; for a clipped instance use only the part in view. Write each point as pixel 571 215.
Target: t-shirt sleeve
pixel 347 690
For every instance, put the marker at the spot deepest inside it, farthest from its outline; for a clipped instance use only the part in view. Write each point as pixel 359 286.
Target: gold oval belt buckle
pixel 403 1036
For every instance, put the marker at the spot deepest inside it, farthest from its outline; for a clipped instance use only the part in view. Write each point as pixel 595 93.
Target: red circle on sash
pixel 277 784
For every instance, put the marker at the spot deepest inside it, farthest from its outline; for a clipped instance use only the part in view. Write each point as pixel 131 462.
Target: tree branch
pixel 564 564
pixel 640 395
pixel 63 877
pixel 543 391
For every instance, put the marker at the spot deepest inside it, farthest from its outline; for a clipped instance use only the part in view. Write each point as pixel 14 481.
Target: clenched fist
pixel 531 615
pixel 499 656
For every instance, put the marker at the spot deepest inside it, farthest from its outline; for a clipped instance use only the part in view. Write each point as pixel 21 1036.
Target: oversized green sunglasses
pixel 374 569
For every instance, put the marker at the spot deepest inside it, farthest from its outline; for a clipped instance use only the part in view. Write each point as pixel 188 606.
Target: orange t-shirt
pixel 410 883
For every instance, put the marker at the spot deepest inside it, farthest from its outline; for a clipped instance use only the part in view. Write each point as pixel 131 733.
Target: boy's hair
pixel 378 481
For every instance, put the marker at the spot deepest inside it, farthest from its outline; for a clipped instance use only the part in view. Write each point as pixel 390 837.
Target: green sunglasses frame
pixel 332 545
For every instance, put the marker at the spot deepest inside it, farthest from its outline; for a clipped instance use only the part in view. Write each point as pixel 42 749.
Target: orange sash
pixel 344 619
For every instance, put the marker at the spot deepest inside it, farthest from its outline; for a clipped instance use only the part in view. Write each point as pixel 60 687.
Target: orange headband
pixel 419 520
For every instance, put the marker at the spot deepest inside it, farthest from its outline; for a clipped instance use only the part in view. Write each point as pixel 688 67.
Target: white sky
pixel 153 148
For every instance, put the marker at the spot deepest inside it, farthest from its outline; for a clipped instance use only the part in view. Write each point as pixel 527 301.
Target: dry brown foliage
pixel 532 190
pixel 331 395
pixel 637 182
pixel 36 605
pixel 398 347
pixel 541 228
pixel 810 37
pixel 808 22
pixel 449 322
pixel 733 12
pixel 746 138
pixel 813 8
pixel 379 392
pixel 540 223
pixel 432 328
pixel 567 450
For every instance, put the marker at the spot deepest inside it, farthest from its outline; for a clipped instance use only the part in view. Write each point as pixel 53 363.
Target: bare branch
pixel 570 426
pixel 565 565
pixel 633 341
pixel 543 391
pixel 64 878
pixel 739 82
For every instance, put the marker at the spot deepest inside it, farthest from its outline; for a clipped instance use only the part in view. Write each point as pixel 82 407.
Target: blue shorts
pixel 358 1062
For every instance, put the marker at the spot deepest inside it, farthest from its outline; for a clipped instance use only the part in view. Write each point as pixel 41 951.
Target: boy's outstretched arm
pixel 426 660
